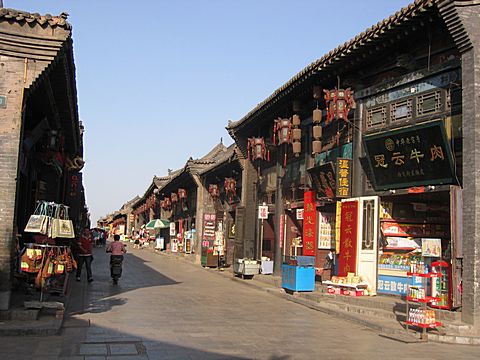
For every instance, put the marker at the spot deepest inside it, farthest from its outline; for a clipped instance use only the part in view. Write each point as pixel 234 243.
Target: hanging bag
pixel 62 225
pixel 38 221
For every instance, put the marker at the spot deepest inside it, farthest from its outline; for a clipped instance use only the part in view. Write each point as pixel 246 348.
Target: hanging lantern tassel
pixel 268 155
pixel 274 133
pixel 285 158
pixel 338 138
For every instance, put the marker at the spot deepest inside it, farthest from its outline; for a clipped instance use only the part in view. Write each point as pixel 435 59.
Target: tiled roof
pixel 224 157
pixel 406 13
pixel 23 16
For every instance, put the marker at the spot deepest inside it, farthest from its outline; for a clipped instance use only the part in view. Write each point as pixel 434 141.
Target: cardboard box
pixel 352 292
pixel 334 290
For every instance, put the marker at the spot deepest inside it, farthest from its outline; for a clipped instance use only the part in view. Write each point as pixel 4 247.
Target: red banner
pixel 347 258
pixel 309 224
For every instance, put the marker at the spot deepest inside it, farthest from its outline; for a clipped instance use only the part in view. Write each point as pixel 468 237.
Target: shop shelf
pixel 427 299
pixel 426 326
pixel 429 275
pixel 416 221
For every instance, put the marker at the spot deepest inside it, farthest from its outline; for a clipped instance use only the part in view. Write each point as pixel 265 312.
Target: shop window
pixel 429 103
pixel 368 225
pixel 376 117
pixel 401 110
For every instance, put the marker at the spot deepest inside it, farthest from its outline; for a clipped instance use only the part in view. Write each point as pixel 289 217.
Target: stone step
pixel 44 326
pixel 20 314
pixel 377 312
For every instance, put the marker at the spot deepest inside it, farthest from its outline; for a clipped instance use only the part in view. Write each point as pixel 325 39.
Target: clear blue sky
pixel 158 80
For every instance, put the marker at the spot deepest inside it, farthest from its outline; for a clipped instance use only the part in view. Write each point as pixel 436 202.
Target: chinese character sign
pixel 299 214
pixel 309 224
pixel 347 259
pixel 344 178
pixel 209 222
pixel 412 156
pixel 263 212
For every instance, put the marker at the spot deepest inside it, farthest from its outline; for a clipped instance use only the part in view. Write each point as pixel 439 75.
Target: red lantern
pixel 214 191
pixel 182 194
pixel 230 188
pixel 256 149
pixel 339 102
pixel 167 202
pixel 281 131
pixel 174 198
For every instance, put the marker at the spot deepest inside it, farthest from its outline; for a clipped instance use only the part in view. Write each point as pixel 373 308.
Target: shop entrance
pixel 367 242
pixel 367 235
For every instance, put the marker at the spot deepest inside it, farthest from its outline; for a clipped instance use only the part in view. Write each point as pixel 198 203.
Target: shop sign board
pixel 347 258
pixel 396 285
pixel 309 224
pixel 411 156
pixel 323 180
pixel 209 226
pixel 299 214
pixel 263 212
pixel 172 229
pixel 344 178
pixel 393 228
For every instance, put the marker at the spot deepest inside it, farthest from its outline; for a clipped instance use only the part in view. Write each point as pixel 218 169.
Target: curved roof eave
pixel 334 55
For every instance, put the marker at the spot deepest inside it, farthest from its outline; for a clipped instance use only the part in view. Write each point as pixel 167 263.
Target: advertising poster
pixel 431 247
pixel 326 231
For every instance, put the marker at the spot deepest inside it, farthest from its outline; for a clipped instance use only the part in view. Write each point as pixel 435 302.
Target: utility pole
pixel 1 3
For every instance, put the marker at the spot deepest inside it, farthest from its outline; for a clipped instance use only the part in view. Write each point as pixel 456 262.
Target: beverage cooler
pixel 442 285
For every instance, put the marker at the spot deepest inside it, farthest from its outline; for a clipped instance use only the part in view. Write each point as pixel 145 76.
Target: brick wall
pixel 471 168
pixel 15 75
pixel 11 84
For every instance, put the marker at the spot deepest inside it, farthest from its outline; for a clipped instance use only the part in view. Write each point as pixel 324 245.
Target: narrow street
pixel 165 308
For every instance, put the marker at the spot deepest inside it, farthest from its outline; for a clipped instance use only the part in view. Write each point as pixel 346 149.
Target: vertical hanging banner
pixel 309 224
pixel 344 178
pixel 347 259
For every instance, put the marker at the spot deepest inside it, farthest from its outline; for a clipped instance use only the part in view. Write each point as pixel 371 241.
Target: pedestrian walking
pixel 85 255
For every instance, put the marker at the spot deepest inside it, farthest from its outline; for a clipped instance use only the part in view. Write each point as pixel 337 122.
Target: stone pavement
pixel 169 309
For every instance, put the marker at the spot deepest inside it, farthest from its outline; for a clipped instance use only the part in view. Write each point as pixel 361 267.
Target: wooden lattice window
pixel 429 103
pixel 376 117
pixel 401 111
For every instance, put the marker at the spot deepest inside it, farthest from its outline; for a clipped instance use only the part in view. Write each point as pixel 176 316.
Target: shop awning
pixel 157 224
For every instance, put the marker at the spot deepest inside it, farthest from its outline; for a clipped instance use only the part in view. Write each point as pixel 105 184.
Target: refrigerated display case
pixel 441 285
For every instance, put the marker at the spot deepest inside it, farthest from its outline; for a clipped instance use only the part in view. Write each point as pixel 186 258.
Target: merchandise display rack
pixel 422 317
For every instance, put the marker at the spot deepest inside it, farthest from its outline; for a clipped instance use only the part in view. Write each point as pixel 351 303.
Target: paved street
pixel 170 309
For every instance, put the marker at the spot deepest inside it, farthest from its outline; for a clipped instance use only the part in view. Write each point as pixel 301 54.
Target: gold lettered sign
pixel 344 178
pixel 411 156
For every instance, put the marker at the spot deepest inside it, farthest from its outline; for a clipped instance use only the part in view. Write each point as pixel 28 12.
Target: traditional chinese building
pixel 222 181
pixel 41 146
pixel 383 124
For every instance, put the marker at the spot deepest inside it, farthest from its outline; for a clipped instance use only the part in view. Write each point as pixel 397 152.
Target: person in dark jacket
pixel 85 255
